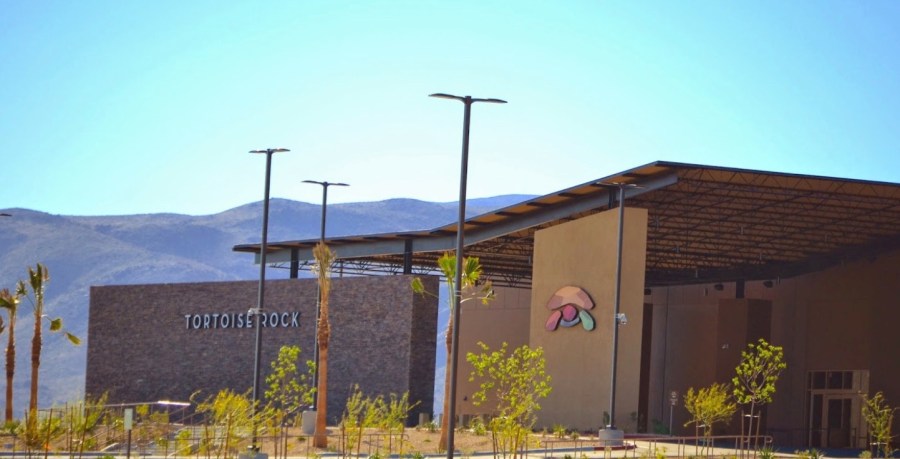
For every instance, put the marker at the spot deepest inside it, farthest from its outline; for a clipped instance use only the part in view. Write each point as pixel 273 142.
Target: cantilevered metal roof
pixel 706 224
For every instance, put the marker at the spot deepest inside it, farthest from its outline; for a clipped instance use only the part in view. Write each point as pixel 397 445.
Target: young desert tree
pixel 756 375
pixel 471 274
pixel 387 414
pixel 230 414
pixel 516 382
pixel 82 418
pixel 353 421
pixel 289 388
pixel 10 302
pixel 708 406
pixel 324 259
pixel 393 419
pixel 879 417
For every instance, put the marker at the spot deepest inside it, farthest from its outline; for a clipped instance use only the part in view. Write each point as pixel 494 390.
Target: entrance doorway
pixel 834 408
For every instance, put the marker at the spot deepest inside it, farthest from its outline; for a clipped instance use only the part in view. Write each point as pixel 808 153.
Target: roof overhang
pixel 706 224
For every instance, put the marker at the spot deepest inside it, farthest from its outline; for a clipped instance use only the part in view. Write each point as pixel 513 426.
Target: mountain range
pixel 83 251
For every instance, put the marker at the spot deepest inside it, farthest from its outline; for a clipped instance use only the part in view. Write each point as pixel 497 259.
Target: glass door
pixel 836 421
pixel 834 408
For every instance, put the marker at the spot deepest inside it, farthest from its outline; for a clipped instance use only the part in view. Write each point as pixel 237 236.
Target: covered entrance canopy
pixel 706 224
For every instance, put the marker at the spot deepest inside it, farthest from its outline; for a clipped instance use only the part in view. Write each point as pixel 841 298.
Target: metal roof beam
pixel 474 236
pixel 565 209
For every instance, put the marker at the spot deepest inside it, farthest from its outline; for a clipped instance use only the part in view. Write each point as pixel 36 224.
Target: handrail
pixel 681 444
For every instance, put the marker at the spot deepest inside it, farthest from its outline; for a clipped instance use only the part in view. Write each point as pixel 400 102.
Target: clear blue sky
pixel 124 107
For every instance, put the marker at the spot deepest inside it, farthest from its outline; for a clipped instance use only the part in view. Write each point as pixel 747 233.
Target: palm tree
pixel 324 259
pixel 37 280
pixel 10 302
pixel 470 276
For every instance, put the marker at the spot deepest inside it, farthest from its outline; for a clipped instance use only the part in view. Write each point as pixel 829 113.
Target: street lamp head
pixel 441 95
pixel 270 150
pixel 466 99
pixel 618 185
pixel 326 184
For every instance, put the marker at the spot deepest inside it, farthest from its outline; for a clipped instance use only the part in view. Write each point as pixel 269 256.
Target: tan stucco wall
pixel 582 253
pixel 504 320
pixel 842 318
pixel 683 350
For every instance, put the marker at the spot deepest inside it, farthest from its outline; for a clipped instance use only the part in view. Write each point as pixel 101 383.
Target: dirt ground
pixel 426 442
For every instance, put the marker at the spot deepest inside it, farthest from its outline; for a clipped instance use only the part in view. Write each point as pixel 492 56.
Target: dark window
pixel 818 380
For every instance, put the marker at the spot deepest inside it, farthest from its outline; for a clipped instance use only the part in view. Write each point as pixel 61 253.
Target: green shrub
pixel 659 427
pixel 478 427
pixel 809 454
pixel 559 431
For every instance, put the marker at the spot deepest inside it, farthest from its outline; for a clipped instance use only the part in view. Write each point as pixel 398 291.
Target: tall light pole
pixel 457 286
pixel 618 317
pixel 260 300
pixel 325 186
pixel 617 306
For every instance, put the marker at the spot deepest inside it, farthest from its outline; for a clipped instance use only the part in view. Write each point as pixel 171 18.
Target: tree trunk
pixel 320 436
pixel 749 429
pixel 696 436
pixel 445 417
pixel 324 258
pixel 320 439
pixel 756 439
pixel 10 365
pixel 36 342
pixel 36 279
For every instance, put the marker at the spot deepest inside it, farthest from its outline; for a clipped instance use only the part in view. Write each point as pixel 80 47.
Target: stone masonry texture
pixel 143 345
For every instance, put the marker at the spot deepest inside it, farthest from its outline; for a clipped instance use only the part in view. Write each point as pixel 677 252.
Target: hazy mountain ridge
pixel 82 251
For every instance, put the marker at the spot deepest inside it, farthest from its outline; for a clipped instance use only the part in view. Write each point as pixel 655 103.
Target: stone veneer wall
pixel 140 348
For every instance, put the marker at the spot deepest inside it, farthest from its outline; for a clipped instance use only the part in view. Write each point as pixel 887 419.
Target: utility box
pixel 308 422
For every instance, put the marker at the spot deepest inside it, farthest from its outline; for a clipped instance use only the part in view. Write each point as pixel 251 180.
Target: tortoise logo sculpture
pixel 569 306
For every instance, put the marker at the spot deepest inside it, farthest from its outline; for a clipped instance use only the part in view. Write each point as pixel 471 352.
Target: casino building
pixel 166 341
pixel 711 259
